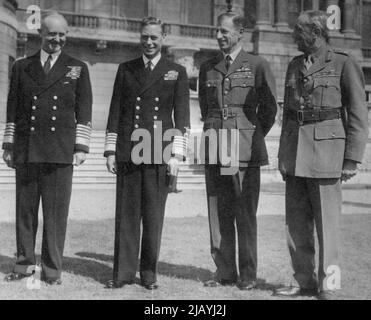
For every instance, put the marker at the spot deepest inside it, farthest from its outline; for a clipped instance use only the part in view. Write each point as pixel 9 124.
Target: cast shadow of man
pixel 164 268
pixel 99 268
pixel 178 271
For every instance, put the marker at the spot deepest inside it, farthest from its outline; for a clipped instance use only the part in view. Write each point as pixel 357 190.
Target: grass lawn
pixel 185 262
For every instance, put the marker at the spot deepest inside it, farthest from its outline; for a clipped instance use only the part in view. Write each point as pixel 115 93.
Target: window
pixel 200 12
pixel 168 10
pixel 66 5
pixel 250 13
pixel 366 24
pixel 129 9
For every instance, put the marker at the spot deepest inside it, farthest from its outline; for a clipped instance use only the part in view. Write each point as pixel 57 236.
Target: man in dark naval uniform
pixel 324 134
pixel 237 94
pixel 150 96
pixel 47 131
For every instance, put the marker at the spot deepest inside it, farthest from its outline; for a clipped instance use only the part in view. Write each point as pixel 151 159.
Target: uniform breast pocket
pixel 326 92
pixel 237 83
pixel 329 147
pixel 212 91
pixel 242 89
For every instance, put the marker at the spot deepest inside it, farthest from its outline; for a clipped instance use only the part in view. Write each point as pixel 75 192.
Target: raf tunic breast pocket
pixel 326 91
pixel 241 87
pixel 212 91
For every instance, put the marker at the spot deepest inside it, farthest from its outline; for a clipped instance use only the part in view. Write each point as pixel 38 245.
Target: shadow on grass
pixel 164 268
pixel 357 204
pixel 6 264
pixel 181 271
pixel 83 267
pixel 88 268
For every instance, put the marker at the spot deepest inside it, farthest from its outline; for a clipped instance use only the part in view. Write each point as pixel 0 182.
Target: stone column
pixel 349 16
pixel 330 3
pixel 263 14
pixel 282 14
pixel 8 49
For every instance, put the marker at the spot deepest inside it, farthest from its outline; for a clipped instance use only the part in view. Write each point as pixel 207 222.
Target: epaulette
pixel 341 52
pixel 298 57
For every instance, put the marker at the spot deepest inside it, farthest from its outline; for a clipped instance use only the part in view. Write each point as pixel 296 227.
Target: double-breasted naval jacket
pixel 48 116
pixel 154 103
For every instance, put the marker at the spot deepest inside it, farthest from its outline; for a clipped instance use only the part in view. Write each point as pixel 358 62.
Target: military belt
pixel 314 115
pixel 229 112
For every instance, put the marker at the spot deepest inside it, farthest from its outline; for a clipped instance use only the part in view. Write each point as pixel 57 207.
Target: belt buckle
pixel 225 113
pixel 300 116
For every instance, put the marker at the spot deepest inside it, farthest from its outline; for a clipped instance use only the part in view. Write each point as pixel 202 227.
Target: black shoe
pixel 15 276
pixel 218 283
pixel 150 286
pixel 53 282
pixel 246 285
pixel 327 295
pixel 112 284
pixel 295 292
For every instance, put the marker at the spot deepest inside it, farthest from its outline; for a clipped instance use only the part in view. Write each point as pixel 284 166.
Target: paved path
pixel 100 204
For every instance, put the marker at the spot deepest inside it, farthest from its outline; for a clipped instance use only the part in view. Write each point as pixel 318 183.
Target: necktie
pixel 149 68
pixel 308 62
pixel 228 62
pixel 47 65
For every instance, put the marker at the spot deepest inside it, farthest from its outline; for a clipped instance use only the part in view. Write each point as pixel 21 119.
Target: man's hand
pixel 79 158
pixel 283 176
pixel 111 164
pixel 173 166
pixel 8 158
pixel 349 170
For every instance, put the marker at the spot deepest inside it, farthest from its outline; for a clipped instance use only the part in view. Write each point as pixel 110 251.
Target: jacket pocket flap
pixel 326 82
pixel 242 82
pixel 244 123
pixel 329 132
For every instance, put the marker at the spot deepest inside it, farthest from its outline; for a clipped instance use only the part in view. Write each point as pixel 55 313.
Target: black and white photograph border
pixel 104 34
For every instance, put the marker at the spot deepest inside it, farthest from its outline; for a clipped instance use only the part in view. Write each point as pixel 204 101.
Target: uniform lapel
pixel 58 71
pixel 34 69
pixel 220 66
pixel 137 69
pixel 320 60
pixel 156 73
pixel 317 66
pixel 301 66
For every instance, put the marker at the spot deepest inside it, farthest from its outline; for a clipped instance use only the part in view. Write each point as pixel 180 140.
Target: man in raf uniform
pixel 237 91
pixel 150 95
pixel 324 134
pixel 48 129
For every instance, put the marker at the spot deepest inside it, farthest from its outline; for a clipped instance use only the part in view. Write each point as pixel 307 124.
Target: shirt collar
pixel 234 54
pixel 154 61
pixel 44 55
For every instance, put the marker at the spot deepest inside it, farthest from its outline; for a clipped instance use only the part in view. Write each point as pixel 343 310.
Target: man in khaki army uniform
pixel 324 134
pixel 237 93
pixel 47 131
